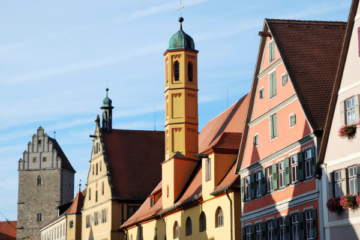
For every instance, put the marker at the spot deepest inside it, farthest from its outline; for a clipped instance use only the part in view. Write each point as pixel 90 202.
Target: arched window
pixel 202 222
pixel 39 180
pixel 219 218
pixel 188 226
pixel 97 169
pixel 177 70
pixel 89 194
pixel 176 230
pixel 96 196
pixel 190 72
pixel 102 188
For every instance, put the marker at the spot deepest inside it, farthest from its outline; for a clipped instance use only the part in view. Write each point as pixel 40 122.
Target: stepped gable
pixel 8 230
pixel 65 163
pixel 134 159
pixel 310 51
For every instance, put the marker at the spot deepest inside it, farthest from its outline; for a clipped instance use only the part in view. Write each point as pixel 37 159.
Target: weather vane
pixel 180 9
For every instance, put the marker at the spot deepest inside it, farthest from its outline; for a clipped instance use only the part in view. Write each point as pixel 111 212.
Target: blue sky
pixel 56 57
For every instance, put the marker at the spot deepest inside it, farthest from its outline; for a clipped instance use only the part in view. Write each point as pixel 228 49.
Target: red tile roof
pixel 8 230
pixel 65 163
pixel 231 180
pixel 134 159
pixel 231 120
pixel 311 52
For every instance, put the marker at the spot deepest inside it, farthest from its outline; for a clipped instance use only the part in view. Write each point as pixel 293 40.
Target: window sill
pixel 269 193
pixel 273 139
pixel 281 189
pixel 258 198
pixel 295 183
pixel 309 179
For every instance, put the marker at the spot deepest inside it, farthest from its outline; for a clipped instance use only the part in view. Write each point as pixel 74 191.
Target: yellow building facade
pixel 198 196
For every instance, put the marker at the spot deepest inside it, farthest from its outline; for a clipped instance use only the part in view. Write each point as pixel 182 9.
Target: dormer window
pixel 177 71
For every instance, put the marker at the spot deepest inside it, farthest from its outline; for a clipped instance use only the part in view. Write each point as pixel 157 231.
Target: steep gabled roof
pixel 8 230
pixel 231 180
pixel 65 163
pixel 134 159
pixel 310 51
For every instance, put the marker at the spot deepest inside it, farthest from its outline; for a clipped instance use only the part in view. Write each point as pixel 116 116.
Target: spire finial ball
pixel 181 19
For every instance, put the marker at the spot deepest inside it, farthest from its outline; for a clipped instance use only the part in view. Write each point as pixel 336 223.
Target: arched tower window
pixel 190 72
pixel 219 218
pixel 97 169
pixel 202 222
pixel 188 226
pixel 176 230
pixel 177 70
pixel 39 180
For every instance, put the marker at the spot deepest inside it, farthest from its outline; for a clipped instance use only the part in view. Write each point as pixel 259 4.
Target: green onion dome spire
pixel 181 40
pixel 107 101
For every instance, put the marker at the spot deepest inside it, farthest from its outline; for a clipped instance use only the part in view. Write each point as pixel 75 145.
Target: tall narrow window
pixel 269 185
pixel 39 217
pixel 247 188
pixel 102 188
pixel 96 147
pixel 190 72
pixel 219 218
pixel 258 184
pixel 155 235
pixel 100 166
pixel 294 168
pixel 167 191
pixel 352 180
pixel 248 233
pixel 256 140
pixel 104 215
pixel 269 230
pixel 96 196
pixel 177 70
pixel 151 201
pixel 281 175
pixel 271 51
pixel 89 194
pixel 97 169
pixel 208 169
pixel 292 120
pixel 261 93
pixel 39 180
pixel 71 224
pixel 188 226
pixel 309 225
pixel 308 161
pixel 96 218
pixel 337 183
pixel 258 231
pixel 273 126
pixel 176 230
pixel 281 229
pixel 93 170
pixel 272 84
pixel 350 111
pixel 140 233
pixel 202 222
pixel 294 224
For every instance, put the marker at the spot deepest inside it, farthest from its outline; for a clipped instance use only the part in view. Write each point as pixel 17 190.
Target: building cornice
pixel 270 68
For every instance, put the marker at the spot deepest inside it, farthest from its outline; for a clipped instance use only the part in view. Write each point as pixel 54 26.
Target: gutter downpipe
pixel 164 226
pixel 231 224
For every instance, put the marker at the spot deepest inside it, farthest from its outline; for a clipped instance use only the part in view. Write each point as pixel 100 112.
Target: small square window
pixel 44 159
pixel 34 159
pixel 261 93
pixel 292 120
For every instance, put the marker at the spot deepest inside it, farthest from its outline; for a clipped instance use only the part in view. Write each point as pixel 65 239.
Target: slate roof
pixel 65 163
pixel 134 158
pixel 8 230
pixel 310 51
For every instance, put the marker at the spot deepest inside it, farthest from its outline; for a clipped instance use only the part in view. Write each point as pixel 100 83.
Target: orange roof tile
pixel 8 230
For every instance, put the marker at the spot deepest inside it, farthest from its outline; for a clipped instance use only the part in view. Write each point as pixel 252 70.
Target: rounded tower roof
pixel 107 101
pixel 181 40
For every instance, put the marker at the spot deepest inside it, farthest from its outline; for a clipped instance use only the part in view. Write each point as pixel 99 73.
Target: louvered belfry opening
pixel 177 71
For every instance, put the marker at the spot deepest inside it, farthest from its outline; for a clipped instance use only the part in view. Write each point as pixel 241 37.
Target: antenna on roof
pixel 54 134
pixel 155 119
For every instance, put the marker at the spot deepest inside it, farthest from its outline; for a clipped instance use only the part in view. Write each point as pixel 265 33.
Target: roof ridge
pixel 135 130
pixel 301 21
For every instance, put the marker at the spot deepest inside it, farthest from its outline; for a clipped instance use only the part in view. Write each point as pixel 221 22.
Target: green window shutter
pixel 275 229
pixel 274 176
pixel 263 182
pixel 313 161
pixel 274 83
pixel 287 171
pixel 301 226
pixel 263 231
pixel 271 127
pixel 293 120
pixel 270 52
pixel 242 189
pixel 275 125
pixel 273 51
pixel 252 186
pixel 315 224
pixel 300 166
pixel 287 228
pixel 243 233
pixel 252 231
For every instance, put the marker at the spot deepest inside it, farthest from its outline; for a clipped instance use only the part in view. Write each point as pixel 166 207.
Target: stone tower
pixel 46 180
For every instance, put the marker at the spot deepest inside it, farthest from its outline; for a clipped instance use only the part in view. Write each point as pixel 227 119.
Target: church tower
pixel 181 115
pixel 107 113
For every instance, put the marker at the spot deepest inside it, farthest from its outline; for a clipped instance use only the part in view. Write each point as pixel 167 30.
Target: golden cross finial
pixel 180 9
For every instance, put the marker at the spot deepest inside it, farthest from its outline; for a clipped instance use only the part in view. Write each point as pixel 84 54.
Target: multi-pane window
pixel 294 168
pixel 271 51
pixel 190 72
pixel 176 230
pixel 103 215
pixel 208 169
pixel 273 126
pixel 71 224
pixel 96 218
pixel 292 120
pixel 269 230
pixel 132 210
pixel 87 221
pixel 352 180
pixel 258 231
pixel 247 188
pixel 248 233
pixel 284 79
pixel 281 229
pixel 281 174
pixel 337 183
pixel 220 218
pixel 188 226
pixel 309 225
pixel 202 222
pixel 39 217
pixel 256 140
pixel 269 185
pixel 294 225
pixel 177 70
pixel 261 93
pixel 350 111
pixel 272 84
pixel 308 163
pixel 258 184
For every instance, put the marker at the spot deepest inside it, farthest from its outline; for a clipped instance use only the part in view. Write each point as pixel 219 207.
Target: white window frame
pixel 247 188
pixel 350 109
pixel 308 163
pixel 352 177
pixel 258 231
pixel 281 171
pixel 256 136
pixel 88 221
pixel 248 232
pixel 294 227
pixel 71 224
pixel 261 97
pixel 104 215
pixel 294 168
pixel 258 184
pixel 269 226
pixel 290 122
pixel 96 218
pixel 281 228
pixel 337 184
pixel 309 225
pixel 269 186
pixel 277 134
pixel 282 82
